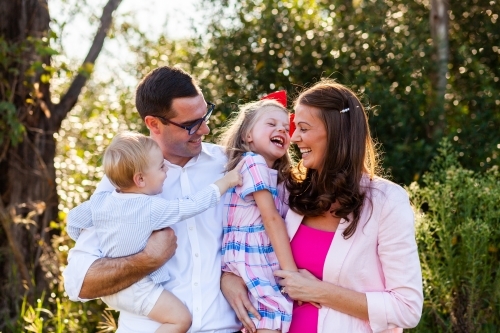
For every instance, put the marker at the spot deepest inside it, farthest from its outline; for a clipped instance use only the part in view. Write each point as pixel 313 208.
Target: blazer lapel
pixel 337 254
pixel 292 221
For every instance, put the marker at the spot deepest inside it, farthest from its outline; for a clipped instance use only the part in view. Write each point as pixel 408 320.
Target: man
pixel 175 112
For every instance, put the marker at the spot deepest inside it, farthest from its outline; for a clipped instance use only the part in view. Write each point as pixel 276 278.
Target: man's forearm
pixel 108 276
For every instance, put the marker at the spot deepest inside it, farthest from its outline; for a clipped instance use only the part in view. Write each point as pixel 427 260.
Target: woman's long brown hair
pixel 350 155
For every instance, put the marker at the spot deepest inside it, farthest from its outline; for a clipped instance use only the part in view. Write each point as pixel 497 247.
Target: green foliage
pixel 381 49
pixel 458 238
pixel 60 315
pixel 10 127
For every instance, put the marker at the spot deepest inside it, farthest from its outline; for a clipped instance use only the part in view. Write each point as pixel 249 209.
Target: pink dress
pixel 246 248
pixel 309 247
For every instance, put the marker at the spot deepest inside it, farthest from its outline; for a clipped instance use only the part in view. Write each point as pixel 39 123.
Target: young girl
pixel 255 242
pixel 124 219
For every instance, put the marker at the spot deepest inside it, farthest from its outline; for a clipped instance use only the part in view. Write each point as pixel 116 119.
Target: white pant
pixel 138 299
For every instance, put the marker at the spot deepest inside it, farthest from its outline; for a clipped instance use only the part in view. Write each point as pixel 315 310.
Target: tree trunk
pixel 29 200
pixel 439 33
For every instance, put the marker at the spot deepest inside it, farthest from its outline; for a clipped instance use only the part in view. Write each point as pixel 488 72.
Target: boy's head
pixel 134 162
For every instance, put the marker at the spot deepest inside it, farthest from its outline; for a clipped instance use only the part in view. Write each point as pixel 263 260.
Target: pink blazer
pixel 380 260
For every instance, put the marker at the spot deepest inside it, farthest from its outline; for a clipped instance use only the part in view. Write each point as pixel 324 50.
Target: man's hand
pixel 234 289
pixel 108 276
pixel 160 247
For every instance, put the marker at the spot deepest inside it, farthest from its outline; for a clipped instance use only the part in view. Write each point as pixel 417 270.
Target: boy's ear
pixel 153 124
pixel 139 180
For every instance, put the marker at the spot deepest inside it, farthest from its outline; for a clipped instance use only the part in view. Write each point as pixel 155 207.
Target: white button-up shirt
pixel 194 269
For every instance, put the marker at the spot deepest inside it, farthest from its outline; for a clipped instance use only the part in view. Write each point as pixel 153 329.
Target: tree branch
pixel 70 98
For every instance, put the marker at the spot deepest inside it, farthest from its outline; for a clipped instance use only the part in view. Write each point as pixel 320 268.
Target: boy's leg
pixel 171 313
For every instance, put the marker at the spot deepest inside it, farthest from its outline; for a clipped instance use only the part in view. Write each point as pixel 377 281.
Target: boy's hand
pixel 233 177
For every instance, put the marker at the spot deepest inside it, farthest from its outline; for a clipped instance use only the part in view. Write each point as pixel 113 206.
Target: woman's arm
pixel 304 286
pixel 107 276
pixel 400 303
pixel 275 229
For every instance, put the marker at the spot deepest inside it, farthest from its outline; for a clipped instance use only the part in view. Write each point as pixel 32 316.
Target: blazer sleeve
pixel 400 305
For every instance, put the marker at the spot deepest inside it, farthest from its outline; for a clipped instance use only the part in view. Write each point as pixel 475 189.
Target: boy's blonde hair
pixel 234 134
pixel 126 155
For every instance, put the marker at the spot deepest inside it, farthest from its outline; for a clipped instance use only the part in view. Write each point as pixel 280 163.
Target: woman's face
pixel 310 136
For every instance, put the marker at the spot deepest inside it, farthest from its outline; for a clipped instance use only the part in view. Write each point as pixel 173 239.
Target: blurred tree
pixel 439 33
pixel 383 49
pixel 29 120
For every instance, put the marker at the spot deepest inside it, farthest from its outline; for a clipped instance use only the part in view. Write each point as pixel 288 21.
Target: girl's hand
pixel 299 285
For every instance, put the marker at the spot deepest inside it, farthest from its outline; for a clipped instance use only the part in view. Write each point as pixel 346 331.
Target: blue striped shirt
pixel 124 221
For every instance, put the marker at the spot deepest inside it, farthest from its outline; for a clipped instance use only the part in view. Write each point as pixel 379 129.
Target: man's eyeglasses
pixel 195 126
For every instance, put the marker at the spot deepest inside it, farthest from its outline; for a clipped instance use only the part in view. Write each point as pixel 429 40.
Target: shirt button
pixel 196 254
pixel 191 228
pixel 196 284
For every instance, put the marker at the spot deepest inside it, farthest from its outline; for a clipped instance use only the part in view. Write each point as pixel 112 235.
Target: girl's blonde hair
pixel 126 155
pixel 234 135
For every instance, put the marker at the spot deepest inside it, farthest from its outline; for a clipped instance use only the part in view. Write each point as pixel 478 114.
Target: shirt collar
pixel 127 195
pixel 203 155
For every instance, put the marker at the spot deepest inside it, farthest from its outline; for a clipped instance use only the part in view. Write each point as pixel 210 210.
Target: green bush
pixel 458 238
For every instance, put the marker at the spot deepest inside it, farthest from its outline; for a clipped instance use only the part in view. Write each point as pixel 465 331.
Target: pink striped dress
pixel 246 248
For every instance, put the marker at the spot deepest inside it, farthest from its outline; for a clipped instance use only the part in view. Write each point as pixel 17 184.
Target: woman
pixel 352 233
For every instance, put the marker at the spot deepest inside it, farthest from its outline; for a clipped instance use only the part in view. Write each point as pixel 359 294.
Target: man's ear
pixel 139 180
pixel 153 124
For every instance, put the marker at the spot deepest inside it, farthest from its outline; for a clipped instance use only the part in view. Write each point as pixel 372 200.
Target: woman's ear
pixel 153 124
pixel 139 179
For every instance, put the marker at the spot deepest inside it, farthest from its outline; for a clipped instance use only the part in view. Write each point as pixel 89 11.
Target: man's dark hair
pixel 157 90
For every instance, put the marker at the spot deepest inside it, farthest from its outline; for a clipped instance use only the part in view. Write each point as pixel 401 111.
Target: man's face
pixel 177 145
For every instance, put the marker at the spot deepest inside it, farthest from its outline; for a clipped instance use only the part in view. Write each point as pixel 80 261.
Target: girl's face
pixel 270 136
pixel 310 136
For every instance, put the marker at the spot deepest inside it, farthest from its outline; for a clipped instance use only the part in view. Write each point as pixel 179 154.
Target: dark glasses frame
pixel 195 126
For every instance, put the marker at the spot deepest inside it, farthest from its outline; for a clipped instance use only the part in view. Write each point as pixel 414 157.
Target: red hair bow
pixel 280 97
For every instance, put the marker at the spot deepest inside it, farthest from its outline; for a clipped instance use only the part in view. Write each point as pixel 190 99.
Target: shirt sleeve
pixel 79 218
pixel 400 305
pixel 80 258
pixel 256 176
pixel 167 212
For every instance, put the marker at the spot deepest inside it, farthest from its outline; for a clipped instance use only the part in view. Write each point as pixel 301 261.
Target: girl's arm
pixel 275 229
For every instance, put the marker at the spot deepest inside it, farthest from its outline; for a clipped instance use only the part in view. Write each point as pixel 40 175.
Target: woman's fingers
pixel 282 274
pixel 317 305
pixel 305 273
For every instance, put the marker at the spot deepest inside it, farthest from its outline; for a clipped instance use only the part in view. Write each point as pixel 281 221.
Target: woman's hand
pixel 235 291
pixel 305 287
pixel 298 285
